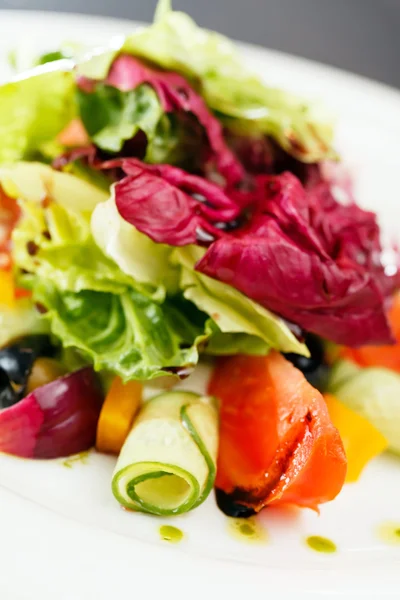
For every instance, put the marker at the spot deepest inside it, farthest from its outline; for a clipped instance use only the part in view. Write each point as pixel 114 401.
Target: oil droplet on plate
pixel 171 534
pixel 247 530
pixel 82 458
pixel 389 532
pixel 321 544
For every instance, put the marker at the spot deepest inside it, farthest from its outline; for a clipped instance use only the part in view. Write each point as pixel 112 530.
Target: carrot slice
pixel 117 415
pixel 380 356
pixel 277 442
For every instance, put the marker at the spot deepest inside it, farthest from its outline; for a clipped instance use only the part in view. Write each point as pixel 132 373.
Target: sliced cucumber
pixel 342 371
pixel 167 464
pixel 374 393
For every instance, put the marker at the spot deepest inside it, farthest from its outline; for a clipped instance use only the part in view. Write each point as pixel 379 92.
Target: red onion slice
pixel 55 420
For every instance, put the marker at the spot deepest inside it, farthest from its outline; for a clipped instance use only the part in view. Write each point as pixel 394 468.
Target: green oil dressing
pixel 82 458
pixel 247 530
pixel 171 534
pixel 321 544
pixel 389 533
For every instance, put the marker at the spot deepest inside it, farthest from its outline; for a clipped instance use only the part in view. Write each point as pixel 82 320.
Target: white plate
pixel 62 535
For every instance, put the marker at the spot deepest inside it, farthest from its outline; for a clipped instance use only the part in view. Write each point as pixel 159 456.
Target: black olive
pixel 182 372
pixel 230 507
pixel 8 396
pixel 18 358
pixel 314 368
pixel 41 344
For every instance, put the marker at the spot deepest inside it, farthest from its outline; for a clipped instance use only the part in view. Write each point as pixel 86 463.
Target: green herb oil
pixel 247 530
pixel 390 533
pixel 321 544
pixel 82 458
pixel 171 534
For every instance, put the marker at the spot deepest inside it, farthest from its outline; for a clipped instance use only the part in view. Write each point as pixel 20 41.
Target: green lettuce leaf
pixel 134 253
pixel 35 182
pixel 177 140
pixel 99 179
pixel 20 320
pixel 252 329
pixel 127 334
pixel 34 109
pixel 242 100
pixel 227 344
pixel 111 117
pixel 54 243
pixel 117 323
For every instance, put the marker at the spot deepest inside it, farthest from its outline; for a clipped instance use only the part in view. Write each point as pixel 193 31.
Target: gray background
pixel 359 35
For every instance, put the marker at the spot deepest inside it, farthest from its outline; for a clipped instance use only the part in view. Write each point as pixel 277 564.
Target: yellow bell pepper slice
pixel 117 415
pixel 362 442
pixel 7 290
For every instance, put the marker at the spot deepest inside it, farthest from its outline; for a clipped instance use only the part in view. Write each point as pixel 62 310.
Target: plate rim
pixel 246 46
pixel 392 94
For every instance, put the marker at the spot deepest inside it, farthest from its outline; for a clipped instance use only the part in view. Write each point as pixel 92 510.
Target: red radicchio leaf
pixel 309 259
pixel 175 94
pixel 85 153
pixel 55 420
pixel 91 157
pixel 171 206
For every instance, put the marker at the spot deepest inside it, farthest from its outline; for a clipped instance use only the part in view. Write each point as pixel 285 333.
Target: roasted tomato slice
pixel 277 442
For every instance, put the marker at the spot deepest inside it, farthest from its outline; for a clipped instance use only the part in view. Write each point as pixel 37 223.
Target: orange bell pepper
pixel 277 442
pixel 362 442
pixel 74 135
pixel 380 356
pixel 117 415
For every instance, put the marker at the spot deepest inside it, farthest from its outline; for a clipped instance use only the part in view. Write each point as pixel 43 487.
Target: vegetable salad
pixel 161 205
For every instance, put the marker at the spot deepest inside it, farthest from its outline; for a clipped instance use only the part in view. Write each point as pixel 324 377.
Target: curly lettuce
pixel 92 306
pixel 116 322
pixel 134 253
pixel 35 182
pixel 34 108
pixel 54 243
pixel 127 334
pixel 111 116
pixel 241 100
pixel 242 325
pixel 21 319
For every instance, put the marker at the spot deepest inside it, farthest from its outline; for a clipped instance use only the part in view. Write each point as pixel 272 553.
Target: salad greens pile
pixel 132 306
pixel 159 202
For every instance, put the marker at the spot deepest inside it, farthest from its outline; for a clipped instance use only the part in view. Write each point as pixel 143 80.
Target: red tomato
pixel 9 215
pixel 277 442
pixel 380 356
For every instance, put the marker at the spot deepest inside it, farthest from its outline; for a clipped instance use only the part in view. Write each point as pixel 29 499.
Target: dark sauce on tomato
pixel 230 507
